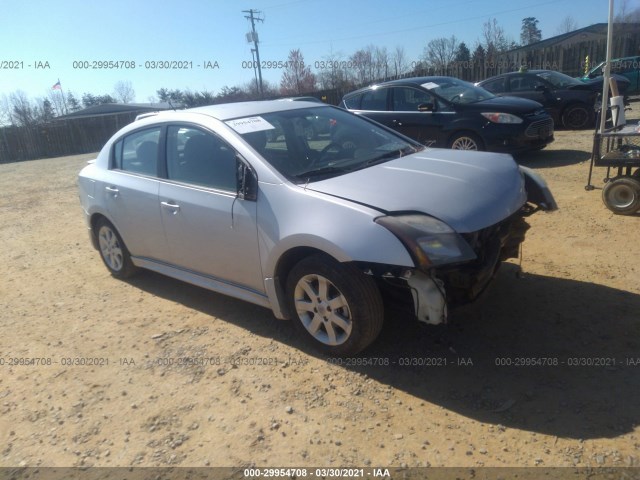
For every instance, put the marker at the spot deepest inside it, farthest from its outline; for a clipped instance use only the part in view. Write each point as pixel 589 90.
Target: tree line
pixel 334 71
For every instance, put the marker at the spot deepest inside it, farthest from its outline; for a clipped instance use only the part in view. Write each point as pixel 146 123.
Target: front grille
pixel 540 129
pixel 492 245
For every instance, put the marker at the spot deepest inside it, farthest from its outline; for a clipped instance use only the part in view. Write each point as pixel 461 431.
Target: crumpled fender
pixel 538 191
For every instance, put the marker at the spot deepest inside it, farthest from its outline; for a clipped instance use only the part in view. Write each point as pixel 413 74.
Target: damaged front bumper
pixel 434 290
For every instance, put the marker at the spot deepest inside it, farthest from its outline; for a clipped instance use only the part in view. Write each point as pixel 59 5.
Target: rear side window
pixel 375 100
pixel 495 86
pixel 353 102
pixel 138 152
pixel 524 83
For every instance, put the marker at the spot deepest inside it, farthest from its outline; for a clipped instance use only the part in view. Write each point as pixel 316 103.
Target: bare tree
pixel 381 63
pixel 360 63
pixel 333 72
pixel 23 113
pixel 399 61
pixel 6 114
pixel 568 24
pixel 123 92
pixel 440 52
pixel 493 34
pixel 626 15
pixel 297 77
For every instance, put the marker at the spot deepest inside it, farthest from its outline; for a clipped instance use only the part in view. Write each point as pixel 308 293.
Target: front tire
pixel 113 251
pixel 622 195
pixel 336 307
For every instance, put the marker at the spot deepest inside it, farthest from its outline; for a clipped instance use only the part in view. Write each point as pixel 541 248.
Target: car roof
pixel 405 82
pixel 510 74
pixel 228 111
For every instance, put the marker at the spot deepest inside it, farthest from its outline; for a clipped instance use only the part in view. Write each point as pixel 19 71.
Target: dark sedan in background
pixel 450 113
pixel 570 102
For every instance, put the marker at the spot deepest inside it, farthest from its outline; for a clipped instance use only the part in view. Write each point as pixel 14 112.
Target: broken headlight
pixel 430 241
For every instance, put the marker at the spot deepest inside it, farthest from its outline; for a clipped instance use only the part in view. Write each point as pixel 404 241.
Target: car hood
pixel 503 104
pixel 596 83
pixel 467 190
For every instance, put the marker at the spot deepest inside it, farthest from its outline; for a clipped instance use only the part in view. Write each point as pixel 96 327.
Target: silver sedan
pixel 239 199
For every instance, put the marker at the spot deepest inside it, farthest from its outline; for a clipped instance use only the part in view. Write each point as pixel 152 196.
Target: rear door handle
pixel 112 190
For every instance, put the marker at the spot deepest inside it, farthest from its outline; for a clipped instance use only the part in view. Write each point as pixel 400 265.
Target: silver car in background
pixel 316 230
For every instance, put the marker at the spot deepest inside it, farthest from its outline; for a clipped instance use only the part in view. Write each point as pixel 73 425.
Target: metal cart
pixel 618 149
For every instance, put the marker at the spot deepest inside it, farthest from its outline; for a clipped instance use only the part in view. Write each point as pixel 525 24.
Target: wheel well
pixel 289 259
pixel 285 263
pixel 95 218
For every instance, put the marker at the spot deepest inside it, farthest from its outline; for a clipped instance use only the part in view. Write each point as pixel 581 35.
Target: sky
pixel 44 41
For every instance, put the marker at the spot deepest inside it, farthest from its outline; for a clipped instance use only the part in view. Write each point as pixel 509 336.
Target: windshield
pixel 457 91
pixel 558 80
pixel 311 144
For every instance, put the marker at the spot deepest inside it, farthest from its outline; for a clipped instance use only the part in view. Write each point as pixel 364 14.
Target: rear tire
pixel 465 141
pixel 622 195
pixel 336 307
pixel 577 117
pixel 113 251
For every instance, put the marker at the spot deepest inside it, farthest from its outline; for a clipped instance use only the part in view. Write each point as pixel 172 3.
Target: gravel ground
pixel 154 372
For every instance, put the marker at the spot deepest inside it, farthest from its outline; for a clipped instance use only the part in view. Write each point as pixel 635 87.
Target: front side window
pixel 138 152
pixel 200 158
pixel 559 80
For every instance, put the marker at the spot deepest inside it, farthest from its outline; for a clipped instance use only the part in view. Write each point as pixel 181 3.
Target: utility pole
pixel 253 36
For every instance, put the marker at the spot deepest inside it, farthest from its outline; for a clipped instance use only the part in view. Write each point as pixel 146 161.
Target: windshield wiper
pixel 393 154
pixel 329 169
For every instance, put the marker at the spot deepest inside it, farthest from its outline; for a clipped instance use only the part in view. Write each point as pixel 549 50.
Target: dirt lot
pixel 153 372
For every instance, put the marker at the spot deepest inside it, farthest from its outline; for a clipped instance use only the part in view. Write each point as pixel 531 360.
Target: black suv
pixel 450 113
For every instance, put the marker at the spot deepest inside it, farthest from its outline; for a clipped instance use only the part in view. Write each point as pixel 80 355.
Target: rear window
pixel 138 152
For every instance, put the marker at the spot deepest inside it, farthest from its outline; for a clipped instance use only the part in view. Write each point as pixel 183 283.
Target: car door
pixel 535 88
pixel 209 229
pixel 419 115
pixel 130 190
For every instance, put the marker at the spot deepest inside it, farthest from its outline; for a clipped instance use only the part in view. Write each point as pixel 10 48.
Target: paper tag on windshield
pixel 430 85
pixel 250 124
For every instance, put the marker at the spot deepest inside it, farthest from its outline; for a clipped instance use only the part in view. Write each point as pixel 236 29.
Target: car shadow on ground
pixel 552 158
pixel 542 354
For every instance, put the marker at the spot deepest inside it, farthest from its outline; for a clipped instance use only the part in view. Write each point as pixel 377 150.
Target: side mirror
pixel 541 88
pixel 426 107
pixel 247 183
